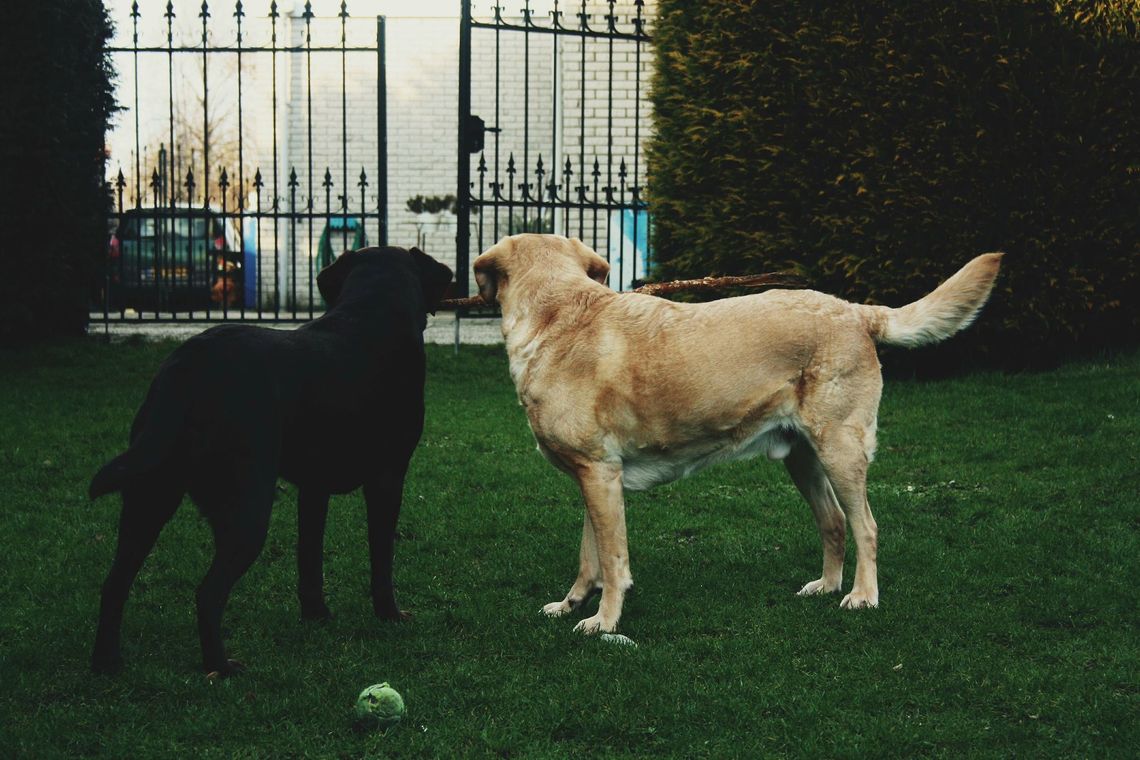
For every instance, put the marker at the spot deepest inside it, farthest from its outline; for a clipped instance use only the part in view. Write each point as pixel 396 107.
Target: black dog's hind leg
pixel 312 509
pixel 147 507
pixel 383 494
pixel 239 534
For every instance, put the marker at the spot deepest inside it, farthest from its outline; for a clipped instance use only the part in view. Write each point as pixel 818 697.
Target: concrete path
pixel 441 329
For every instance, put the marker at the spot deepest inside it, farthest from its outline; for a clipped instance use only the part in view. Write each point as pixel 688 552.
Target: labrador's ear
pixel 331 279
pixel 489 274
pixel 434 277
pixel 597 268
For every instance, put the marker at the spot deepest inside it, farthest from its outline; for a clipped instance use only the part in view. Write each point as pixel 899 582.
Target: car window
pixel 146 227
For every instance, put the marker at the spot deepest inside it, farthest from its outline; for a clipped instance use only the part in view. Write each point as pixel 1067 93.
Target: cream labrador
pixel 630 391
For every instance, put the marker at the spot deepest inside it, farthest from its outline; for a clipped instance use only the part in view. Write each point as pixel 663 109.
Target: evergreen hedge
pixel 58 100
pixel 876 146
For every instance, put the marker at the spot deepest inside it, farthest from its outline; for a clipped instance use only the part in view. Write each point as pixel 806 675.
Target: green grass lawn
pixel 1009 526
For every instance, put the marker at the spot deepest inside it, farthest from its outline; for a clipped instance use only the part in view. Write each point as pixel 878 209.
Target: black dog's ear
pixel 434 277
pixel 331 279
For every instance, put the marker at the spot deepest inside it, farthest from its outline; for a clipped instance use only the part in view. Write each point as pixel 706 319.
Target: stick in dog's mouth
pixel 768 279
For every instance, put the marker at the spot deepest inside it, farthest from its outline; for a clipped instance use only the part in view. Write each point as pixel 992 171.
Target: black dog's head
pixel 434 278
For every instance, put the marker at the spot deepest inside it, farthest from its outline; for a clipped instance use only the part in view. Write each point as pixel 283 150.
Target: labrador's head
pixel 434 278
pixel 516 257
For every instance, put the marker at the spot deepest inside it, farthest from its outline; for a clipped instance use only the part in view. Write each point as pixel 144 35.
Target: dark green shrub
pixel 57 103
pixel 876 146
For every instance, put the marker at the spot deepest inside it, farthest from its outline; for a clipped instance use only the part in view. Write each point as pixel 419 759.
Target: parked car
pixel 179 258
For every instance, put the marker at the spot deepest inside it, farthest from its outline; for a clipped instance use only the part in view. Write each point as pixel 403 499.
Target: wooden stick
pixel 471 302
pixel 777 279
pixel 783 279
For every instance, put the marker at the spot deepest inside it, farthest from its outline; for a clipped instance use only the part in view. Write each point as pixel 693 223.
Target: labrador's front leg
pixel 602 489
pixel 383 495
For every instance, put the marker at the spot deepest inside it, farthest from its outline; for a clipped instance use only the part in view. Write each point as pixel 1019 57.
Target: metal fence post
pixel 463 181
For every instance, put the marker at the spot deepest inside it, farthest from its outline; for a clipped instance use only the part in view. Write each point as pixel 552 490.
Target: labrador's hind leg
pixel 808 474
pixel 845 459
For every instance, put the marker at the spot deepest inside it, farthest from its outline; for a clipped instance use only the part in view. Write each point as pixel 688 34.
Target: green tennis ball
pixel 380 705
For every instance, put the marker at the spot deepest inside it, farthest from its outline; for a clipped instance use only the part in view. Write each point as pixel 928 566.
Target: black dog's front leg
pixel 383 495
pixel 312 509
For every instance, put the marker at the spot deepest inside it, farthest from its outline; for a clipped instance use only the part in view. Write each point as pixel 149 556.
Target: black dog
pixel 332 406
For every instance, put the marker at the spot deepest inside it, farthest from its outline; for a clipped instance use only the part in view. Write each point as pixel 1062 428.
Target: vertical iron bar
pixel 482 178
pixel 157 191
pixel 190 294
pixel 278 296
pixel 328 184
pixel 227 285
pixel 583 17
pixel 498 131
pixel 381 129
pixel 511 194
pixel 308 16
pixel 637 133
pixel 363 185
pixel 621 226
pixel 293 237
pixel 567 179
pixel 554 113
pixel 538 174
pixel 204 15
pixel 596 174
pixel 257 185
pixel 122 253
pixel 524 188
pixel 169 180
pixel 344 122
pixel 246 274
pixel 463 179
pixel 135 56
pixel 612 29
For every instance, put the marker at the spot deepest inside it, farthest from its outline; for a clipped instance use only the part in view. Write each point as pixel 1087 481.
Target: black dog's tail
pixel 153 435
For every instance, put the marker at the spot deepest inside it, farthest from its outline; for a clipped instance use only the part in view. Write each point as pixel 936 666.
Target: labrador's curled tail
pixel 951 307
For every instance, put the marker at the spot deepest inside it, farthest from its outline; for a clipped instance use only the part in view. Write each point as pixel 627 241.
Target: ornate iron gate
pixel 228 203
pixel 563 95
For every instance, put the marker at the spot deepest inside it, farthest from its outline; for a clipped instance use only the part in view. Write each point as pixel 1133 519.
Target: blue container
pixel 249 263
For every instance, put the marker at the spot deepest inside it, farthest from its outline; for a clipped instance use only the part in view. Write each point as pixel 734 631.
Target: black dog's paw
pixel 318 613
pixel 230 668
pixel 391 613
pixel 107 665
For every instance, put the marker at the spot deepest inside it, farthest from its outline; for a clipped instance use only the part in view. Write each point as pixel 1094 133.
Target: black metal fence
pixel 551 124
pixel 218 214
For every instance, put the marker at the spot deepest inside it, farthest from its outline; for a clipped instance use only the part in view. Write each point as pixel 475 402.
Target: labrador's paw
pixel 859 599
pixel 556 609
pixel 820 586
pixel 595 624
